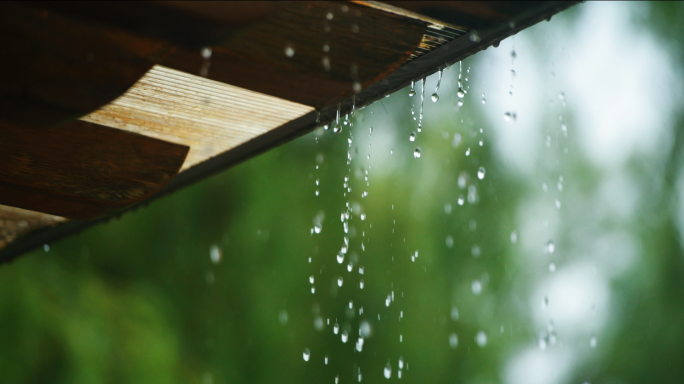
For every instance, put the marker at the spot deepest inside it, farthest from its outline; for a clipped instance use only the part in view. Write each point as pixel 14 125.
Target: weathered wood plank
pixel 82 170
pixel 55 68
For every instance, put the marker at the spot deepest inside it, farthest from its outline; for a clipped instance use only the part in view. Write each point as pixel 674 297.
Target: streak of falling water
pixel 387 372
pixel 338 127
pixel 435 96
pixel 412 92
pixel 422 102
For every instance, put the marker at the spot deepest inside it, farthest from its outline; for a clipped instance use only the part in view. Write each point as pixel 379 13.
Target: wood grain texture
pixel 208 116
pixel 55 68
pixel 17 222
pixel 365 44
pixel 82 170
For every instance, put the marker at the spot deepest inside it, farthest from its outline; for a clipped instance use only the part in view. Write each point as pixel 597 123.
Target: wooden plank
pixel 82 170
pixel 17 222
pixel 208 116
pixel 55 69
pixel 363 45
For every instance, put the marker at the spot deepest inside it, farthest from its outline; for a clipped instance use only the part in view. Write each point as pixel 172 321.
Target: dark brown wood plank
pixel 56 68
pixel 82 170
pixel 365 44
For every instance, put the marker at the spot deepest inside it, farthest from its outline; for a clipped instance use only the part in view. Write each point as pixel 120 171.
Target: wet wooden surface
pixel 82 170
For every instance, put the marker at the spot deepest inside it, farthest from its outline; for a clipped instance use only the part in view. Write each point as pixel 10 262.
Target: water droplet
pixel 454 314
pixel 214 254
pixel 474 37
pixel 435 97
pixel 46 248
pixel 326 63
pixel 206 53
pixel 481 339
pixel 544 187
pixel 457 140
pixel 561 96
pixel 460 200
pixel 513 54
pixel 460 103
pixel 336 328
pixel 340 258
pixel 412 136
pixel 481 173
pixel 545 303
pixel 329 15
pixel 326 48
pixel 282 317
pixel 507 116
pixel 558 204
pixel 548 141
pixel 311 279
pixel 412 92
pixel 476 287
pixel 417 153
pixel 317 228
pixel 337 128
pixel 313 289
pixel 307 354
pixel 552 267
pixel 550 246
pixel 345 336
pixel 387 372
pixel 400 364
pixel 542 342
pixel 361 270
pixel 484 101
pixel 449 241
pixel 475 251
pixel 592 342
pixel 460 93
pixel 467 152
pixel 326 360
pixel 339 281
pixel 447 208
pixel 289 50
pixel 453 341
pixel 514 237
pixel 361 284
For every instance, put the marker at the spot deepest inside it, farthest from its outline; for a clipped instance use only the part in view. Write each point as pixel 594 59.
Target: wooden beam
pixel 82 170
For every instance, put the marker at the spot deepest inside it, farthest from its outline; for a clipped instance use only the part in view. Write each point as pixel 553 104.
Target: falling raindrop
pixel 552 267
pixel 514 237
pixel 329 15
pixel 449 241
pixel 307 354
pixel 206 53
pixel 345 336
pixel 412 136
pixel 447 208
pixel 289 50
pixel 484 101
pixel 454 314
pixel 336 328
pixel 481 339
pixel 326 360
pixel 311 279
pixel 214 254
pixel 317 228
pixel 457 139
pixel 453 341
pixel 460 200
pixel 558 204
pixel 592 342
pixel 387 372
pixel 435 96
pixel 476 287
pixel 412 92
pixel 476 251
pixel 460 93
pixel 339 281
pixel 481 173
pixel 417 153
pixel 550 246
pixel 467 152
